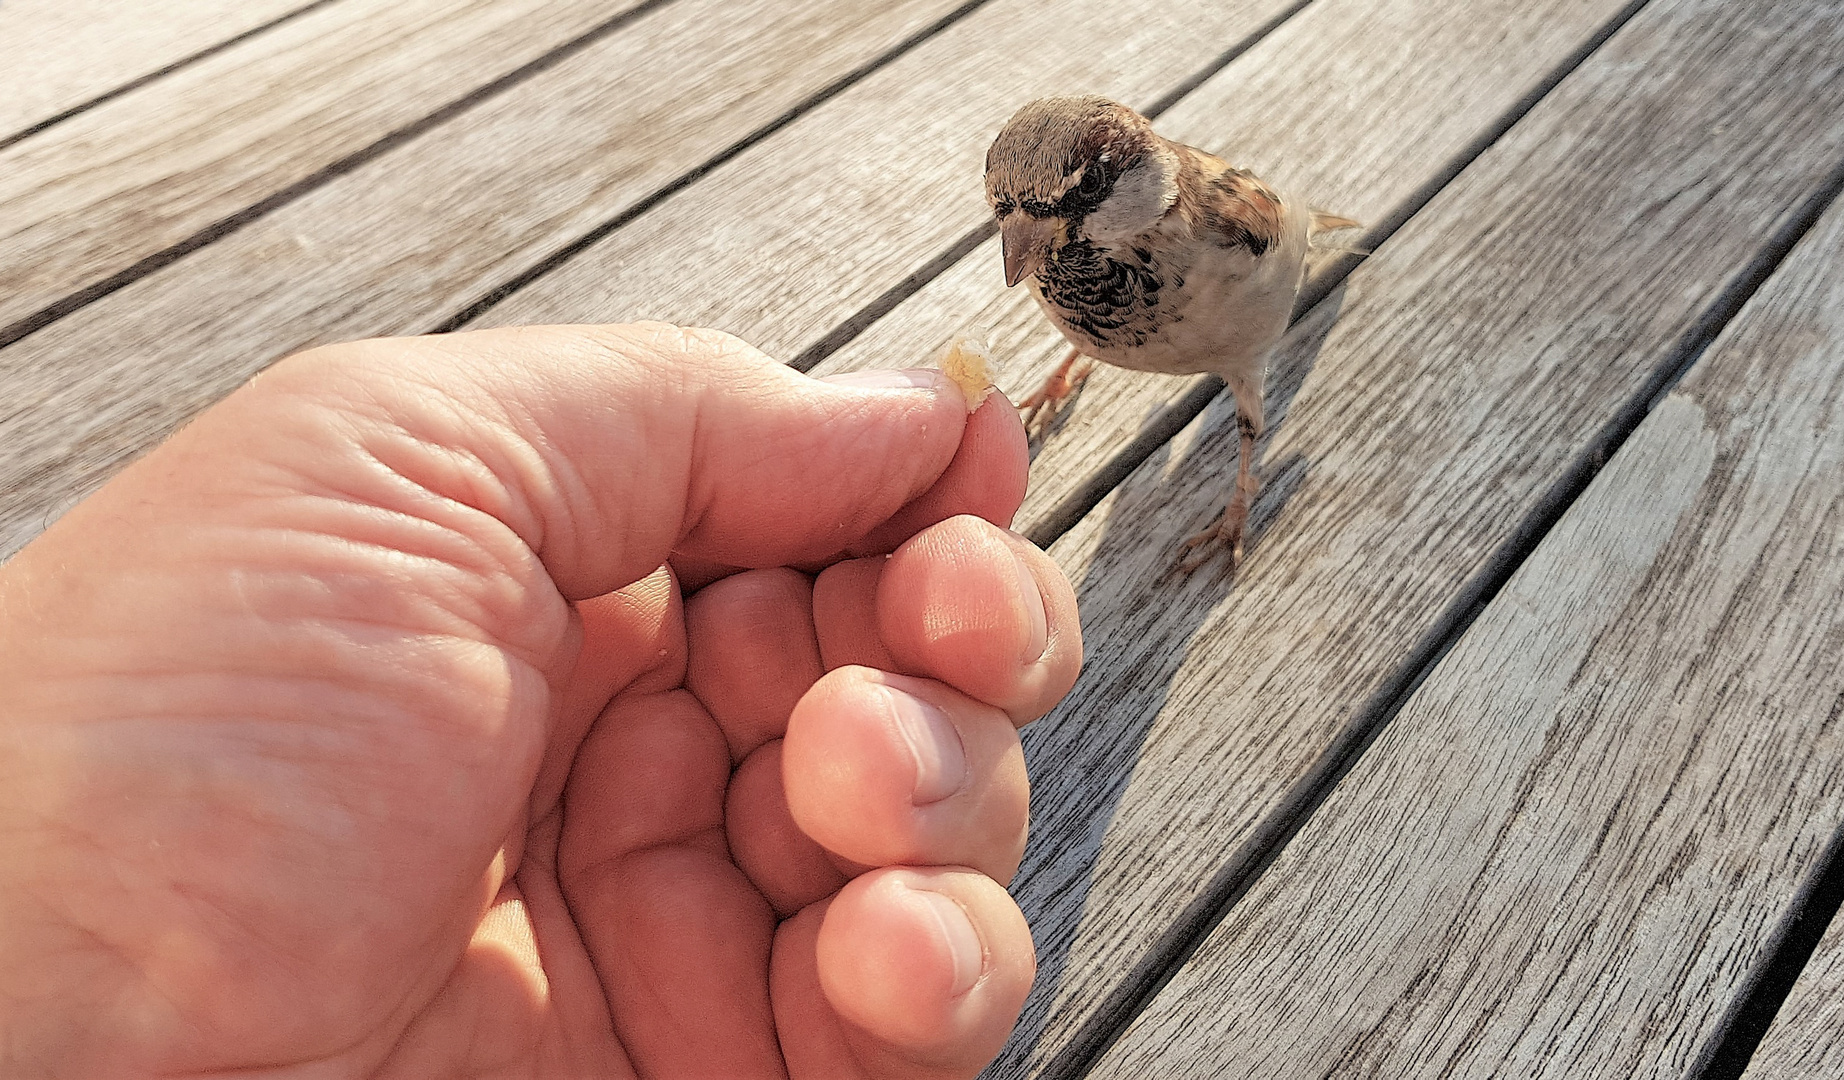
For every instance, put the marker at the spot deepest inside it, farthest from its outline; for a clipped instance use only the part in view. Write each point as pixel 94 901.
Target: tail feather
pixel 1323 223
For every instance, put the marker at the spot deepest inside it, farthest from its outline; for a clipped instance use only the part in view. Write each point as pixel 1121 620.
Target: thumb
pixel 607 448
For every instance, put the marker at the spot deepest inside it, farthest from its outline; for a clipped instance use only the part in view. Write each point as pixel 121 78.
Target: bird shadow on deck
pixel 1083 755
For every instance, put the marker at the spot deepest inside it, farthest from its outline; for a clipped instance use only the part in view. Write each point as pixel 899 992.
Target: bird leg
pixel 1196 550
pixel 1056 389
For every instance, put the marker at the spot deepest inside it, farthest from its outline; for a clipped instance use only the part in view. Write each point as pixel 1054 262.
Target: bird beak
pixel 1027 241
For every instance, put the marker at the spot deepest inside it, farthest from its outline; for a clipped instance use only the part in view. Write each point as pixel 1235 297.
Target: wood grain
pixel 1807 1036
pixel 1422 414
pixel 96 194
pixel 401 243
pixel 1565 854
pixel 57 54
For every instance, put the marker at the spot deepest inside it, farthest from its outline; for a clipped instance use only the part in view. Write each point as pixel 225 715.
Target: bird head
pixel 1075 168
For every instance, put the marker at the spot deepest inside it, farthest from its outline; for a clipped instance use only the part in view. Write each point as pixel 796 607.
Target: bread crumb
pixel 969 363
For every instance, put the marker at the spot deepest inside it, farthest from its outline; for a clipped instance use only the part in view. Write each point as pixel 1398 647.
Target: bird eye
pixel 1094 180
pixel 1003 207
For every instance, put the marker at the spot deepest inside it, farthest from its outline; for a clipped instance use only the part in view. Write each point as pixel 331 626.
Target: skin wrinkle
pixel 503 573
pixel 460 606
pixel 456 475
pixel 438 442
pixel 407 686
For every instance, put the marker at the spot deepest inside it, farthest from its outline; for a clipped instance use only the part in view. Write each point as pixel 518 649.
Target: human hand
pixel 361 729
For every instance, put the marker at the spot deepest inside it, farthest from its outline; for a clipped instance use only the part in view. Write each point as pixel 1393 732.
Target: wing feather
pixel 1232 207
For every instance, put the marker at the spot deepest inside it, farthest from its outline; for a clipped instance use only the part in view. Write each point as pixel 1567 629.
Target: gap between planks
pixel 589 239
pixel 128 86
pixel 1758 1025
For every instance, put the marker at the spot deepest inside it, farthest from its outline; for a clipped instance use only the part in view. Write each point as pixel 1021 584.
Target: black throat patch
pixel 1112 298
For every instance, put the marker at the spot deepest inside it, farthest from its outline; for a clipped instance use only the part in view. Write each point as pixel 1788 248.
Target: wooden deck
pixel 1515 749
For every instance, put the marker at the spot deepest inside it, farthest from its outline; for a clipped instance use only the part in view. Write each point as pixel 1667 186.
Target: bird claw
pixel 1199 548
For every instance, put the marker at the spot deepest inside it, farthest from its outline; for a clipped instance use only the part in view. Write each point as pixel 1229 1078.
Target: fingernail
pixel 1038 638
pixel 889 379
pixel 963 942
pixel 941 760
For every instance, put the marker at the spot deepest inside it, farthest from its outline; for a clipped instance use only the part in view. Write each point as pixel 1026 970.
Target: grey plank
pixel 95 195
pixel 396 246
pixel 1806 1039
pixel 57 54
pixel 1565 854
pixel 1424 412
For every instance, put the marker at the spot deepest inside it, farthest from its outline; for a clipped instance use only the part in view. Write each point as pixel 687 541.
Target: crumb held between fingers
pixel 969 363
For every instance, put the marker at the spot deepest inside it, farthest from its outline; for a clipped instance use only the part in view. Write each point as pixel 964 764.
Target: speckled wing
pixel 1234 209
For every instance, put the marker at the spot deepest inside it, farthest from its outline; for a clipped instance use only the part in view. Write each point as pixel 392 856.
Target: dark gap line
pixel 1303 800
pixel 1227 57
pixel 1752 1012
pixel 499 293
pixel 159 73
pixel 223 227
pixel 1077 504
pixel 861 320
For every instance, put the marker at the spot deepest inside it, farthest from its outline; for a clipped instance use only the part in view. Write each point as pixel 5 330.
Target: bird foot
pixel 1225 532
pixel 1040 410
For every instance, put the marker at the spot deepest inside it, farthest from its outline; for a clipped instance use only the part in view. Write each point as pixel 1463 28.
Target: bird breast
pixel 1173 301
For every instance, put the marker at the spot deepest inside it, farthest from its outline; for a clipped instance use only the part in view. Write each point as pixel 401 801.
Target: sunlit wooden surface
pixel 1513 750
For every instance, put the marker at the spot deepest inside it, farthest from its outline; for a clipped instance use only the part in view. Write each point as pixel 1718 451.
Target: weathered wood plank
pixel 783 244
pixel 1422 414
pixel 1565 854
pixel 57 54
pixel 399 244
pixel 1806 1039
pixel 96 194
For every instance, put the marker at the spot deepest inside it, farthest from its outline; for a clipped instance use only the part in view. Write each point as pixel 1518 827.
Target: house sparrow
pixel 1151 255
